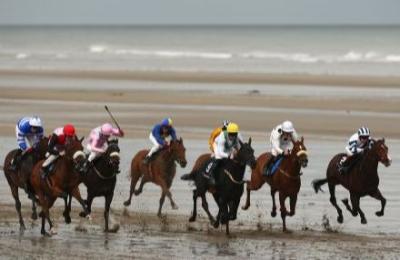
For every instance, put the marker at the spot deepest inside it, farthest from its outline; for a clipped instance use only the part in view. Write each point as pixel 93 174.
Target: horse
pixel 160 171
pixel 360 181
pixel 286 179
pixel 63 180
pixel 229 185
pixel 20 179
pixel 101 178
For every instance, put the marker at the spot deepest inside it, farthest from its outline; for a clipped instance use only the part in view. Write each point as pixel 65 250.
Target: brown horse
pixel 160 171
pixel 361 180
pixel 20 179
pixel 285 180
pixel 62 181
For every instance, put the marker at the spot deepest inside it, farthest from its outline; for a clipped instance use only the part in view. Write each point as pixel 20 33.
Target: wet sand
pixel 325 115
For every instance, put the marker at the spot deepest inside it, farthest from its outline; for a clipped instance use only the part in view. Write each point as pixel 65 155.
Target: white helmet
pixel 363 131
pixel 35 121
pixel 287 127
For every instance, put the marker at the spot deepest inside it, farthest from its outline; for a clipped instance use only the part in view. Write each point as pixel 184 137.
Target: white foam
pixel 97 48
pixel 21 56
pixel 392 58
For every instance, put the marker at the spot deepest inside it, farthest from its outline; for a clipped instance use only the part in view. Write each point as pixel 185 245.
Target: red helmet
pixel 69 130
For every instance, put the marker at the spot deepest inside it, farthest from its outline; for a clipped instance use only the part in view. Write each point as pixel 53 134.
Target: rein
pixel 288 175
pixel 101 176
pixel 233 179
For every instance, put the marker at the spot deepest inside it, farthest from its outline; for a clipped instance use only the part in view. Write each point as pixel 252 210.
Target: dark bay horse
pixel 361 180
pixel 229 185
pixel 62 181
pixel 100 180
pixel 160 171
pixel 285 180
pixel 20 179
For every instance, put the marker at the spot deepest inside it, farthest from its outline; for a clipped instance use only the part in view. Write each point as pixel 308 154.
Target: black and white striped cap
pixel 363 131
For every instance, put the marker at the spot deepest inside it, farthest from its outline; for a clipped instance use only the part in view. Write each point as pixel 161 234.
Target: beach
pixel 325 115
pixel 328 81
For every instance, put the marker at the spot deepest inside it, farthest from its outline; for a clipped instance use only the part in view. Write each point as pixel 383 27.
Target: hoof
pixel 345 201
pixel 53 231
pixel 137 192
pixel 363 221
pixel 287 231
pixel 175 207
pixel 89 217
pixel 216 224
pixel 354 213
pixel 82 214
pixel 245 207
pixel 379 213
pixel 340 219
pixel 127 203
pixel 67 220
pixel 34 216
pixel 273 214
pixel 22 227
pixel 192 219
pixel 159 215
pixel 45 234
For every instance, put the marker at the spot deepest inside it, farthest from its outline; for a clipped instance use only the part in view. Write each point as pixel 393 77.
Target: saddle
pixel 346 164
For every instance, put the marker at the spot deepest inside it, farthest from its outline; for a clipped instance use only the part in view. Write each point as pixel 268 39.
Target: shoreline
pixel 238 78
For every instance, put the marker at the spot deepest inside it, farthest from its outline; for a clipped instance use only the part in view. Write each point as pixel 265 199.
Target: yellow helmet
pixel 232 128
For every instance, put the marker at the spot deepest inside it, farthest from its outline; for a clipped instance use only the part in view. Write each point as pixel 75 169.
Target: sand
pixel 325 115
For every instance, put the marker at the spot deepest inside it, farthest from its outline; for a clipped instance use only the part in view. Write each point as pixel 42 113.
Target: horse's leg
pixel 355 201
pixel 142 183
pixel 224 211
pixel 194 212
pixel 247 205
pixel 66 215
pixel 108 200
pixel 273 212
pixel 293 200
pixel 134 181
pixel 34 212
pixel 162 198
pixel 89 201
pixel 169 195
pixel 227 228
pixel 45 211
pixel 218 218
pixel 334 202
pixel 77 195
pixel 204 204
pixel 353 211
pixel 282 199
pixel 14 191
pixel 47 214
pixel 378 195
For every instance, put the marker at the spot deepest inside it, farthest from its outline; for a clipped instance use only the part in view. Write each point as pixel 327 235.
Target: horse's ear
pixel 80 140
pixel 180 140
pixel 302 139
pixel 250 141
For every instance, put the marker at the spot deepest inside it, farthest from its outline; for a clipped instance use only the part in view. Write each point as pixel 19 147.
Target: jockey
pixel 215 133
pixel 355 147
pixel 224 146
pixel 29 131
pixel 97 141
pixel 158 135
pixel 281 140
pixel 56 146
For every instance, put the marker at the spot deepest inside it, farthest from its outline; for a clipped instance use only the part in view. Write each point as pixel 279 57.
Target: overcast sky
pixel 200 12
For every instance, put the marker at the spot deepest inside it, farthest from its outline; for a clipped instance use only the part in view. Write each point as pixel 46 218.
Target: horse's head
pixel 246 154
pixel 178 151
pixel 380 149
pixel 299 152
pixel 74 150
pixel 112 154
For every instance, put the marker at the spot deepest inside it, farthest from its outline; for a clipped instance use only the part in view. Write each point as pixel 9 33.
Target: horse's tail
pixel 317 183
pixel 189 176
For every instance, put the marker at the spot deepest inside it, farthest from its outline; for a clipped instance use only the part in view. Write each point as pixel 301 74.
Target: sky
pixel 199 12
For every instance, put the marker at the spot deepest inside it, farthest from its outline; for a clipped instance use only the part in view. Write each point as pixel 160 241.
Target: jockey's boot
pixel 45 172
pixel 209 172
pixel 16 160
pixel 267 170
pixel 343 165
pixel 146 159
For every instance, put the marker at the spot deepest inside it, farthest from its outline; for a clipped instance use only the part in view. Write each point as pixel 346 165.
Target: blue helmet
pixel 166 122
